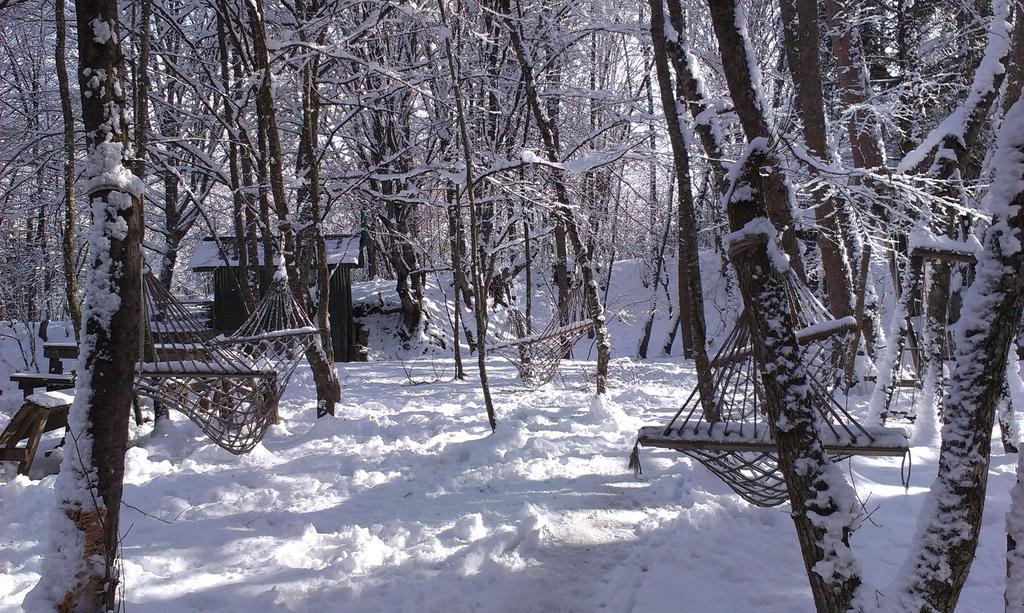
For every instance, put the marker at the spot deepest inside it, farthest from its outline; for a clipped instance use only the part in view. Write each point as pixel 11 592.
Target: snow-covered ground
pixel 406 502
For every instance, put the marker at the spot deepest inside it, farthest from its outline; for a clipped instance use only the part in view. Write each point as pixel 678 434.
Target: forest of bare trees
pixel 869 151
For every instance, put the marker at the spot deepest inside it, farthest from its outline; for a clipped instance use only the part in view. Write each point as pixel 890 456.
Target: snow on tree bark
pixel 951 518
pixel 689 257
pixel 743 75
pixel 822 501
pixel 80 572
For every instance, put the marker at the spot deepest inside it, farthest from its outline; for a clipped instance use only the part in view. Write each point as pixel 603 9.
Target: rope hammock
pixel 728 432
pixel 229 387
pixel 903 367
pixel 537 355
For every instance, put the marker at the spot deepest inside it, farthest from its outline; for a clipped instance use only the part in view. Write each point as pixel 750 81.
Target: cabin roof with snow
pixel 342 250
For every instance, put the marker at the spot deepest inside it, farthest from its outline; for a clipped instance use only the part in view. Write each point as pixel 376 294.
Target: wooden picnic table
pixel 56 353
pixel 29 382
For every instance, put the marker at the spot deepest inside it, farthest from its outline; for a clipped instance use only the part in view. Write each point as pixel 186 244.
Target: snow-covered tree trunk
pixel 80 571
pixel 951 518
pixel 694 95
pixel 943 156
pixel 744 80
pixel 821 499
pixel 691 92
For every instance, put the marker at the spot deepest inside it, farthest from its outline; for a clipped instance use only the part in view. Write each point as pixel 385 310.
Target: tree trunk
pixel 480 303
pixel 950 524
pixel 801 31
pixel 752 112
pixel 68 233
pixel 944 156
pixel 141 93
pixel 241 202
pixel 862 126
pixel 691 293
pixel 820 498
pixel 455 245
pixel 82 573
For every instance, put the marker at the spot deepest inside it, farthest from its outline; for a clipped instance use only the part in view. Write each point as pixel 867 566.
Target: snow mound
pixel 607 416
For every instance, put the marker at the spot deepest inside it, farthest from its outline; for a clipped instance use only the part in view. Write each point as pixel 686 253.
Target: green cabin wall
pixel 229 309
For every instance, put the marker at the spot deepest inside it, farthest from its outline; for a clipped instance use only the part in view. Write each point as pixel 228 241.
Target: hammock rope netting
pixel 905 383
pixel 228 386
pixel 537 355
pixel 729 433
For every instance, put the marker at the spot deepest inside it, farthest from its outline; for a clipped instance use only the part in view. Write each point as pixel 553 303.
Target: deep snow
pixel 406 502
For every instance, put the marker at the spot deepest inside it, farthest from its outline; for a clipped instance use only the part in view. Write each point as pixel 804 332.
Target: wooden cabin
pixel 343 255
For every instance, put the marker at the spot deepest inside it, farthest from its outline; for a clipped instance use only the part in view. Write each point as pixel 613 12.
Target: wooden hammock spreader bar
pixel 948 254
pixel 891 442
pixel 266 336
pixel 572 328
pixel 804 336
pixel 175 369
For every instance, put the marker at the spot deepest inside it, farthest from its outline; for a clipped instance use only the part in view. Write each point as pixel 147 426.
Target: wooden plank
pixel 29 382
pixel 946 255
pixel 16 428
pixel 801 340
pixel 57 419
pixel 60 350
pixel 13 454
pixel 44 377
pixel 152 372
pixel 35 434
pixel 681 444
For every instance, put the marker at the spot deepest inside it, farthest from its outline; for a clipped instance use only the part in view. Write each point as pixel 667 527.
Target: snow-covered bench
pixel 40 413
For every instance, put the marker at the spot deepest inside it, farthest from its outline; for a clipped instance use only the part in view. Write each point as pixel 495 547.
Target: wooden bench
pixel 40 413
pixel 56 353
pixel 28 382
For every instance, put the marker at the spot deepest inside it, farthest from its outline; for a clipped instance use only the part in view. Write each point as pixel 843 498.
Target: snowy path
pixel 407 503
